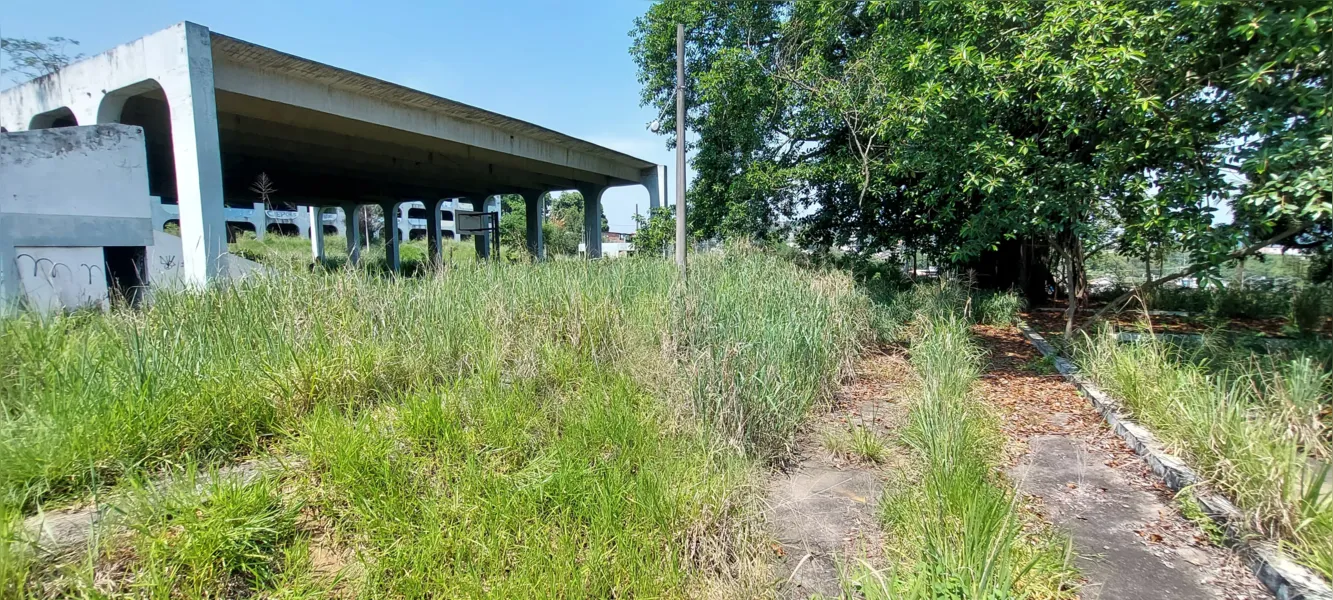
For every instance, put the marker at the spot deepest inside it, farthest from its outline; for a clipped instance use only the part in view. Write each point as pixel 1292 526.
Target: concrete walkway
pixel 823 509
pixel 1129 538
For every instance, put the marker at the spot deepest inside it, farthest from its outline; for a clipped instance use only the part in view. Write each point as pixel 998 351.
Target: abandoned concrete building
pixel 216 112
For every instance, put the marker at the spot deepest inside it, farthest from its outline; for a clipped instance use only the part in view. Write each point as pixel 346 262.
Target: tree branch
pixel 1192 269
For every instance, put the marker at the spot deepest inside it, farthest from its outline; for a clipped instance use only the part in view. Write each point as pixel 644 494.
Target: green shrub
pixel 998 308
pixel 1308 308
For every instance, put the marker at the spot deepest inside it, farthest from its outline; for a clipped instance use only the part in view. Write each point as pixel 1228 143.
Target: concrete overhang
pixel 325 134
pixel 320 126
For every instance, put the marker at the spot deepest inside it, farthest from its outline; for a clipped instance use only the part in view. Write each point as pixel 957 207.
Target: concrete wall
pixel 64 194
pixel 179 61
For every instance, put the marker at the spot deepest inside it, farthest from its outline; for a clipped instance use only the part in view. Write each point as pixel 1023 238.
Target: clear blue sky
pixel 564 65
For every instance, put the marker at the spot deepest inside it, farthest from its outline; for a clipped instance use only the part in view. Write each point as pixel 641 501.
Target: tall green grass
pixel 490 429
pixel 1254 430
pixel 292 253
pixel 958 532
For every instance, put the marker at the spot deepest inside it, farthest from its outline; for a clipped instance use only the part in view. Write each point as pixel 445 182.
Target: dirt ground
pixel 1125 526
pixel 823 508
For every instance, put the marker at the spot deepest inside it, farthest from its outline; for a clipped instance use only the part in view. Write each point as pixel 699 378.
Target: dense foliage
pixel 955 126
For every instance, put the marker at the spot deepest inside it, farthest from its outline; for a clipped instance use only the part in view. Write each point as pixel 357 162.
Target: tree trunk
pixel 1076 281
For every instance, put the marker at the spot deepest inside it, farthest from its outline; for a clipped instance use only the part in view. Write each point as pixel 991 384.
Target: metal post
pixel 680 149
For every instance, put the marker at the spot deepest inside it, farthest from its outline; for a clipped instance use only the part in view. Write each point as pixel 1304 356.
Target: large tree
pixel 960 126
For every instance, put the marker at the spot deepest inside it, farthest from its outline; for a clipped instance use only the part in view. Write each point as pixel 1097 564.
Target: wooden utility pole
pixel 680 149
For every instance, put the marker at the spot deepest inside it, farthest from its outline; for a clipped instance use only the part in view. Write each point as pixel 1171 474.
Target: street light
pixel 656 126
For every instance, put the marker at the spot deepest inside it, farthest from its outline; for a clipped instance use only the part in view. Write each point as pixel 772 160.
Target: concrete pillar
pixel 453 210
pixel 534 212
pixel 303 221
pixel 259 217
pixel 393 234
pixel 352 218
pixel 434 244
pixel 404 225
pixel 481 241
pixel 198 158
pixel 592 220
pixel 655 179
pixel 316 232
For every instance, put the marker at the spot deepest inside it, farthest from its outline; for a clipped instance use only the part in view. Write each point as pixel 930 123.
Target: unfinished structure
pixel 217 111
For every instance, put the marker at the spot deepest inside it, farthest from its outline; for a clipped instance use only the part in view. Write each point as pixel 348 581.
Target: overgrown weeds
pixel 998 308
pixel 1255 431
pixel 489 429
pixel 857 442
pixel 959 532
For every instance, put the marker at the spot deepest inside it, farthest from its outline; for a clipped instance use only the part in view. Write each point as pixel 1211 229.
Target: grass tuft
pixel 959 532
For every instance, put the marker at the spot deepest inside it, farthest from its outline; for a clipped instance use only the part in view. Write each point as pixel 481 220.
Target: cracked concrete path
pixel 824 509
pixel 1129 539
pixel 823 516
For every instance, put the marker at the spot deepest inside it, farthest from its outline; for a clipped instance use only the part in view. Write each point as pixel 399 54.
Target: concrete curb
pixel 1282 575
pixel 1151 313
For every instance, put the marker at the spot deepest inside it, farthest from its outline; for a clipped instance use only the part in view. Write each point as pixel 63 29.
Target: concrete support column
pixel 453 210
pixel 592 220
pixel 404 225
pixel 434 244
pixel 352 218
pixel 316 214
pixel 198 158
pixel 493 239
pixel 534 207
pixel 481 241
pixel 259 217
pixel 303 221
pixel 655 179
pixel 393 234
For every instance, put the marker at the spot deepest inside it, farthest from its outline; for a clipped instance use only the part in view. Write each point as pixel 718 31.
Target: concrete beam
pixel 301 88
pixel 258 137
pixel 392 237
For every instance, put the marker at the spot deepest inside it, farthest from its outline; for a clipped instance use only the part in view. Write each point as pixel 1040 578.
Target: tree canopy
pixel 955 126
pixel 30 59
